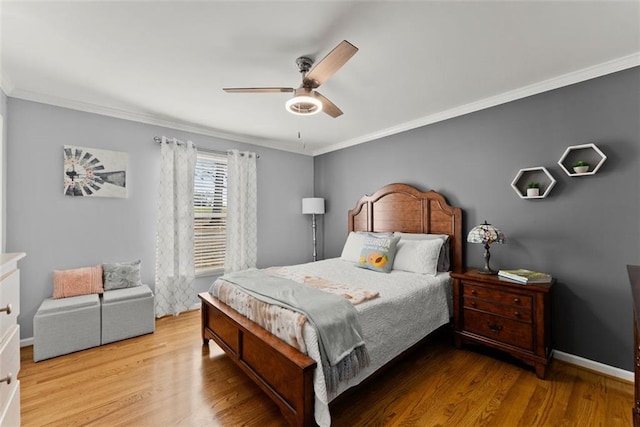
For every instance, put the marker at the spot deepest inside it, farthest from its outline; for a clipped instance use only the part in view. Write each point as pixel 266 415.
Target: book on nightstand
pixel 524 276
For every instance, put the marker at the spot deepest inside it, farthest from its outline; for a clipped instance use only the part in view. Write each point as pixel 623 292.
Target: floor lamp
pixel 313 206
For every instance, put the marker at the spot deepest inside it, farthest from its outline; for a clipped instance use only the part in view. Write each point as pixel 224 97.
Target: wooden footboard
pixel 281 371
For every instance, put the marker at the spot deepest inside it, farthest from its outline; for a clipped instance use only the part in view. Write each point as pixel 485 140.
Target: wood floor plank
pixel 169 379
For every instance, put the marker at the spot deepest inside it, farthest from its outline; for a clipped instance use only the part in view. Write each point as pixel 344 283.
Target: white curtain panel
pixel 175 239
pixel 242 218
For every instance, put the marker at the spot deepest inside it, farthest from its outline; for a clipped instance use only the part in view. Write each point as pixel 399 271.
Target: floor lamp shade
pixel 313 205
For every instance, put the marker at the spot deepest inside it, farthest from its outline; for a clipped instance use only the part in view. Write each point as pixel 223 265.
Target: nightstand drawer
pixel 499 328
pixel 497 296
pixel 512 312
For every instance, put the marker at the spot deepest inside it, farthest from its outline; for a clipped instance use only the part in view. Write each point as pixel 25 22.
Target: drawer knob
pixel 516 300
pixel 7 309
pixel 7 379
pixel 473 292
pixel 517 314
pixel 473 304
pixel 495 328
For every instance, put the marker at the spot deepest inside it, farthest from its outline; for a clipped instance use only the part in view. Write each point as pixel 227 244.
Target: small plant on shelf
pixel 533 189
pixel 581 166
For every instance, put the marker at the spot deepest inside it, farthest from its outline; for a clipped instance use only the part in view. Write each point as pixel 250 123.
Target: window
pixel 210 212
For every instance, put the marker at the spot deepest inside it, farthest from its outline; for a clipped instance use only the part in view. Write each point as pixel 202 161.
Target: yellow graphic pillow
pixel 378 253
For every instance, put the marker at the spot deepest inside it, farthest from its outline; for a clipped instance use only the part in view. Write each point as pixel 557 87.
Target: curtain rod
pixel 206 150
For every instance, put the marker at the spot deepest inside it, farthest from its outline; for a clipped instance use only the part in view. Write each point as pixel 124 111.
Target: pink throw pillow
pixel 78 281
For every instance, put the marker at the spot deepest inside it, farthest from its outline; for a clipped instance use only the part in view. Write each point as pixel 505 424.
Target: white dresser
pixel 9 339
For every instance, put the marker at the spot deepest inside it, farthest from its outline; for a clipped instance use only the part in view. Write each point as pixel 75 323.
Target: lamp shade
pixel 313 205
pixel 486 234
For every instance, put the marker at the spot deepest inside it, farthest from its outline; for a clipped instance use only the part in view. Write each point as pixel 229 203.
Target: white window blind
pixel 210 212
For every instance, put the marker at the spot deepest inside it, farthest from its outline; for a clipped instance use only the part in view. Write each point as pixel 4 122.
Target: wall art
pixel 89 172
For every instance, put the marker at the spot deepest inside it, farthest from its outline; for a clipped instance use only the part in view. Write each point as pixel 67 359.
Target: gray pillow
pixel 119 275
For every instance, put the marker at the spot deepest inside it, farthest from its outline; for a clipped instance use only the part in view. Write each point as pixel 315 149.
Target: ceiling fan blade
pixel 257 89
pixel 327 106
pixel 328 65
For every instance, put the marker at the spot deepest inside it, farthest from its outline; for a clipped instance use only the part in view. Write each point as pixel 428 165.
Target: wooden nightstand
pixel 504 315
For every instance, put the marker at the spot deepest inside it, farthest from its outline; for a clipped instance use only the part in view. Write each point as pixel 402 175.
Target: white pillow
pixel 444 259
pixel 353 247
pixel 418 256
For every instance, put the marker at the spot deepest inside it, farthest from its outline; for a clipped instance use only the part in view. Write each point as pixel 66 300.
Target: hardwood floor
pixel 169 379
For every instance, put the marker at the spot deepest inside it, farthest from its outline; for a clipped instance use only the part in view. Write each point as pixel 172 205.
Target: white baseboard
pixel 594 366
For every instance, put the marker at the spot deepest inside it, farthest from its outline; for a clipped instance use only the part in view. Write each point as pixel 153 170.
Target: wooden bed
pixel 284 373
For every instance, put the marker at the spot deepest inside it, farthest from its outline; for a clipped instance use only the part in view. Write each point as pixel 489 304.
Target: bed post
pixel 204 315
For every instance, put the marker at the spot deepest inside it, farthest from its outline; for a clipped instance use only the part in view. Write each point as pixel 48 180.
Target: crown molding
pixel 584 74
pixel 588 73
pixel 6 85
pixel 147 119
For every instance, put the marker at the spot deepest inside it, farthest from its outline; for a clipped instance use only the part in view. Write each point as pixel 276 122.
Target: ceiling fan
pixel 306 99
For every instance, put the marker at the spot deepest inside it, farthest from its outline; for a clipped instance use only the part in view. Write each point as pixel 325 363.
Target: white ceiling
pixel 166 62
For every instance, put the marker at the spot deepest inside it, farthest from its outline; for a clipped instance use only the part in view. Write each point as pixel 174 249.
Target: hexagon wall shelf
pixel 585 152
pixel 538 174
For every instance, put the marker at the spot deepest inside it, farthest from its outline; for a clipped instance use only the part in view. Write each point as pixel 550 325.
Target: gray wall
pixel 584 233
pixel 59 232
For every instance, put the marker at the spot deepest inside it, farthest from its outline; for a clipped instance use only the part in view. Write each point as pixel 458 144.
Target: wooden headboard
pixel 402 207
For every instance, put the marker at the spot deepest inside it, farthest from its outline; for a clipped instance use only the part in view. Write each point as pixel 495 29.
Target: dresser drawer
pixel 512 312
pixel 506 331
pixel 9 363
pixel 501 296
pixel 10 410
pixel 9 301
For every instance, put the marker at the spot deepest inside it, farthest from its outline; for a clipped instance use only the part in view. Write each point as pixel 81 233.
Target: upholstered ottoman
pixel 65 325
pixel 127 313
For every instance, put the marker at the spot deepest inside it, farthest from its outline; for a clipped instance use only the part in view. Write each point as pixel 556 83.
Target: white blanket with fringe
pixel 341 344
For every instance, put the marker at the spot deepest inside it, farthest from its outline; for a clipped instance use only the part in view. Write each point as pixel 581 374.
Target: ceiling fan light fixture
pixel 304 105
pixel 306 100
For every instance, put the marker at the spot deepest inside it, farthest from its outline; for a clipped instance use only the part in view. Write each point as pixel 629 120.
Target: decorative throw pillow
pixel 378 252
pixel 78 281
pixel 418 256
pixel 353 246
pixel 444 263
pixel 119 275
